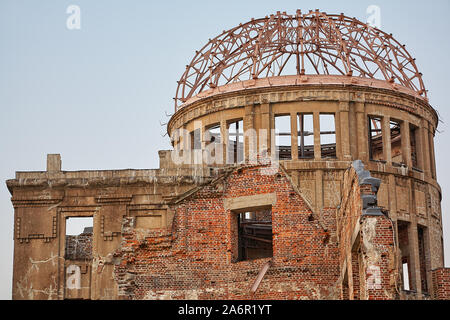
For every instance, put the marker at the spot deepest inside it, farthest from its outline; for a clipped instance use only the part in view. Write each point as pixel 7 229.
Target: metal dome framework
pixel 313 43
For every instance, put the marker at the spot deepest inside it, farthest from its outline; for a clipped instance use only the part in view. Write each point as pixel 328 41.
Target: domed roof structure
pixel 311 43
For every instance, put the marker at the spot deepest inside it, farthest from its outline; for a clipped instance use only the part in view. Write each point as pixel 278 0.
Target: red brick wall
pixel 79 247
pixel 195 258
pixel 441 283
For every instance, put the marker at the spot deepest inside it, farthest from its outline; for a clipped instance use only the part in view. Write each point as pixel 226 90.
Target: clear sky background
pixel 98 95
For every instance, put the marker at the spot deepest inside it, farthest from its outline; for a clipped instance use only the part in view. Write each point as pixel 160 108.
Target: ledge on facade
pixel 55 177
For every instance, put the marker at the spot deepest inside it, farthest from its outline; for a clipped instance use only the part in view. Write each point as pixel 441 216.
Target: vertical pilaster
pixel 432 153
pixel 224 137
pixel 386 136
pixel 265 128
pixel 413 242
pixel 317 148
pixel 406 144
pixel 294 136
pixel 423 129
pixel 361 132
pixel 250 146
pixel 343 126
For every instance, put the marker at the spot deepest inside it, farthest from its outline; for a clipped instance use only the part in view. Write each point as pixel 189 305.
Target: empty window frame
pixel 396 142
pixel 196 141
pixel 327 136
pixel 283 137
pixel 375 139
pixel 404 246
pixel 305 126
pixel 254 235
pixel 212 134
pixel 405 272
pixel 212 139
pixel 235 142
pixel 422 257
pixel 79 231
pixel 413 131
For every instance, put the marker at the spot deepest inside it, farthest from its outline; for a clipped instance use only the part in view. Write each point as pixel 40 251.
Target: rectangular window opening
pixel 305 136
pixel 405 275
pixel 375 139
pixel 196 142
pixel 79 235
pixel 422 258
pixel 254 235
pixel 404 246
pixel 396 143
pixel 413 143
pixel 212 138
pixel 283 137
pixel 236 142
pixel 327 136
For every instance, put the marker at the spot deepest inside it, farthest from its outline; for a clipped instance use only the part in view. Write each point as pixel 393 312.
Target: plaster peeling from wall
pixel 25 286
pixel 372 255
pixel 74 277
pixel 369 232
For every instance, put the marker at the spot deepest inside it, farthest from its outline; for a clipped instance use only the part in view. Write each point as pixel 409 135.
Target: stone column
pixel 294 136
pixel 432 159
pixel 386 136
pixel 249 138
pixel 425 148
pixel 265 128
pixel 224 137
pixel 317 149
pixel 361 132
pixel 343 125
pixel 406 144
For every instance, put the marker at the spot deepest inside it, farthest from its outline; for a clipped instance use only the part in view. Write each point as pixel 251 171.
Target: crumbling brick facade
pixel 195 258
pixel 441 282
pixel 79 247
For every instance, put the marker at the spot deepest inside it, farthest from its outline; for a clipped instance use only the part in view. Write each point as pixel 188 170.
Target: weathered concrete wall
pixel 44 200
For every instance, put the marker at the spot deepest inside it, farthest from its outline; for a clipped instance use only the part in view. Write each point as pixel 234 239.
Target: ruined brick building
pixel 303 168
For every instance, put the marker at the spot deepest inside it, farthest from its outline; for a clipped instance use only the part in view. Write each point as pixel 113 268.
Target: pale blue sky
pixel 97 95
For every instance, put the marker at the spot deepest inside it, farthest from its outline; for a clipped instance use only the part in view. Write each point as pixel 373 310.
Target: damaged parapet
pixel 370 202
pixel 54 163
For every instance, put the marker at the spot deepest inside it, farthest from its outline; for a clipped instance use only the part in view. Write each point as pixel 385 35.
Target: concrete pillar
pixel 425 148
pixel 265 126
pixel 420 156
pixel 294 136
pixel 414 257
pixel 406 144
pixel 249 138
pixel 317 149
pixel 386 133
pixel 432 154
pixel 224 137
pixel 413 242
pixel 343 141
pixel 361 132
pixel 272 144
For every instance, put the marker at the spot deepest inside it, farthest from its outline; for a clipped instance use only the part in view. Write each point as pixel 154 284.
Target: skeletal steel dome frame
pixel 313 43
